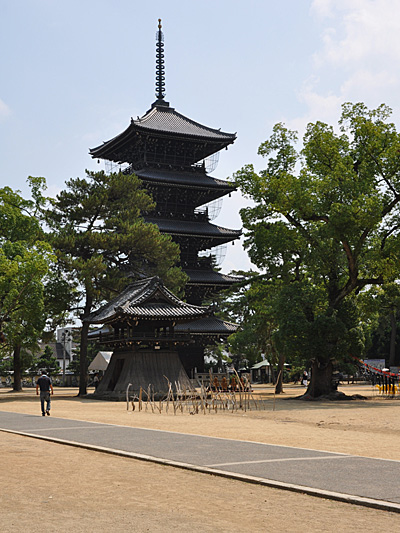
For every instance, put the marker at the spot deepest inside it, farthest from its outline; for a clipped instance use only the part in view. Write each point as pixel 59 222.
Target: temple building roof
pixel 191 179
pixel 148 138
pixel 207 277
pixel 201 229
pixel 146 299
pixel 208 326
pixel 166 119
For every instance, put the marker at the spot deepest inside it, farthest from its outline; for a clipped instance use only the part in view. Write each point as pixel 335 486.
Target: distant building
pixel 63 349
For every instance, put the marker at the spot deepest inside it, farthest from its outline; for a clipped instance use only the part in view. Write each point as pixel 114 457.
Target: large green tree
pixel 101 239
pixel 25 259
pixel 326 220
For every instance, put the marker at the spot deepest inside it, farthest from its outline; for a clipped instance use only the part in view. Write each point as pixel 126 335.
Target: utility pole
pixel 65 337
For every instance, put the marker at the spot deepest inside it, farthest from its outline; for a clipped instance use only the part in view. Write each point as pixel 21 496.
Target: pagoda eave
pixel 193 179
pixel 143 301
pixel 194 229
pixel 211 326
pixel 134 141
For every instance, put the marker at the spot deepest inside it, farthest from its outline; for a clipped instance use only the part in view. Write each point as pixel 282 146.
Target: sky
pixel 73 73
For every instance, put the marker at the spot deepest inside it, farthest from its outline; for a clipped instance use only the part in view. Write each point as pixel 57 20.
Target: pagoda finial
pixel 160 71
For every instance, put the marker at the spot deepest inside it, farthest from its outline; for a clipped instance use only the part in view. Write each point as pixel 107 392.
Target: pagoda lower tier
pixel 181 191
pixel 153 335
pixel 203 284
pixel 194 235
pixel 180 197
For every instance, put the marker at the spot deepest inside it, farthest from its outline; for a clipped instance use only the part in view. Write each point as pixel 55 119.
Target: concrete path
pixel 360 480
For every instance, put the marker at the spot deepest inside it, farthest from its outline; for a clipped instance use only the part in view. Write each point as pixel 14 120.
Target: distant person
pixel 96 381
pixel 304 379
pixel 44 382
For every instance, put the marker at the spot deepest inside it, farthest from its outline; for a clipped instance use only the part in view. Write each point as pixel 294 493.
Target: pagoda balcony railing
pixel 125 337
pixel 201 213
pixel 189 160
pixel 177 211
pixel 196 216
pixel 193 262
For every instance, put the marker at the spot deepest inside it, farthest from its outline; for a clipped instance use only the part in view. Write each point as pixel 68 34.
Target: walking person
pixel 44 382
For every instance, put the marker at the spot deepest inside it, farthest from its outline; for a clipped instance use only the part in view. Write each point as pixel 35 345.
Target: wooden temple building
pixel 171 154
pixel 144 327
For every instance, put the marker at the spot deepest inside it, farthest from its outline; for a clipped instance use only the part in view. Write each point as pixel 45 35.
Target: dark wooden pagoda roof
pixel 190 179
pixel 191 188
pixel 166 120
pixel 195 229
pixel 149 139
pixel 146 299
pixel 210 277
pixel 212 326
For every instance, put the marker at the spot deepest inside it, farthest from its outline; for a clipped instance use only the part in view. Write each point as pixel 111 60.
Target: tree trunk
pixel 279 382
pixel 392 353
pixel 321 383
pixel 82 360
pixel 83 350
pixel 17 369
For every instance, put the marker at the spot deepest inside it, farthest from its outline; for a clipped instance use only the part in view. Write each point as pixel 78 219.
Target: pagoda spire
pixel 160 69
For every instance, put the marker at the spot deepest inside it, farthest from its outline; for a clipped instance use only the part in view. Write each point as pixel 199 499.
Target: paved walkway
pixel 359 480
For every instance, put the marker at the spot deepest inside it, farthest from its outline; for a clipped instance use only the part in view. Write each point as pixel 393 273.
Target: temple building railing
pixel 127 338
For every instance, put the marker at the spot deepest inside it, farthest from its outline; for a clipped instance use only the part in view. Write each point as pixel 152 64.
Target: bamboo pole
pixel 279 375
pixel 127 396
pixel 240 388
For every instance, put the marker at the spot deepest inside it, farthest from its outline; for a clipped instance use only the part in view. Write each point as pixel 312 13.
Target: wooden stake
pixel 279 375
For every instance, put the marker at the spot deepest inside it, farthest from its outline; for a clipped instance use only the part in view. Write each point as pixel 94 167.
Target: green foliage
pixel 6 364
pixel 325 225
pixel 47 362
pixel 27 362
pixel 381 309
pixel 25 259
pixel 98 234
pixel 74 365
pixel 251 306
pixel 217 356
pixel 100 237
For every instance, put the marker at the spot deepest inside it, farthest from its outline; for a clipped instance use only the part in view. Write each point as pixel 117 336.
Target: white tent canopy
pixel 100 362
pixel 260 365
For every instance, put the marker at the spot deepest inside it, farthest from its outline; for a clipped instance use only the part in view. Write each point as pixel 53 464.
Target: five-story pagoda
pixel 170 154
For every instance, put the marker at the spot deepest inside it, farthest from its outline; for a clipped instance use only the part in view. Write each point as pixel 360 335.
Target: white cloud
pixel 370 85
pixel 5 111
pixel 322 8
pixel 356 61
pixel 320 107
pixel 358 31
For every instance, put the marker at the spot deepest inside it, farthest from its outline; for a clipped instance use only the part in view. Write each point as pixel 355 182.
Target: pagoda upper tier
pixel 170 153
pixel 189 189
pixel 163 138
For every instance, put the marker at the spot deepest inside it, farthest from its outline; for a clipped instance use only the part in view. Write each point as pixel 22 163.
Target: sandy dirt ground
pixel 58 488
